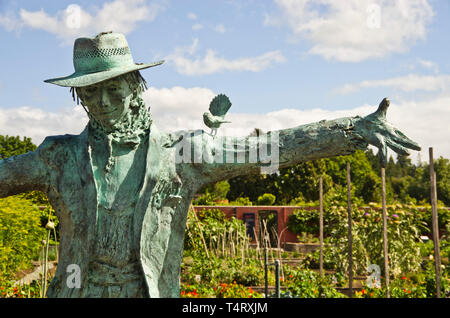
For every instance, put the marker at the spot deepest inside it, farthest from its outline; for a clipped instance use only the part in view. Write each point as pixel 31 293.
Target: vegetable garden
pixel 221 261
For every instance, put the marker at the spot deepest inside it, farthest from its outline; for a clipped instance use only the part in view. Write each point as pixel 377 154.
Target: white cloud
pixel 178 108
pixel 425 121
pixel 211 63
pixel 197 26
pixel 220 28
pixel 10 22
pixel 429 65
pixel 355 30
pixel 192 16
pixel 74 21
pixel 408 83
pixel 37 123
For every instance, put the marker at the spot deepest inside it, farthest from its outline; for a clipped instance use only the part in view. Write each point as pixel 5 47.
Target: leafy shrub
pixel 266 199
pixel 235 290
pixel 211 214
pixel 242 201
pixel 212 228
pixel 196 291
pixel 303 283
pixel 307 238
pixel 8 290
pixel 418 285
pixel 204 199
pixel 213 193
pixel 367 233
pixel 248 275
pixel 303 221
pixel 12 146
pixel 20 234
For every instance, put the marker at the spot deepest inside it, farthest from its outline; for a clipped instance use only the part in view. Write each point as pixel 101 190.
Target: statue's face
pixel 107 101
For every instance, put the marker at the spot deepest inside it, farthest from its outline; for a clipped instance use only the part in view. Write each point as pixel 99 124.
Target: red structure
pixel 251 216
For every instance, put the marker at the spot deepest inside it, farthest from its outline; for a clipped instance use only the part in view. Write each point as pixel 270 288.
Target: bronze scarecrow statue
pixel 122 188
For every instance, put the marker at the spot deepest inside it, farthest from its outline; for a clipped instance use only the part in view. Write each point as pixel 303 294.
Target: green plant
pixel 196 291
pixel 303 283
pixel 266 199
pixel 248 275
pixel 9 290
pixel 20 234
pixel 235 290
pixel 367 233
pixel 245 201
pixel 307 238
pixel 303 221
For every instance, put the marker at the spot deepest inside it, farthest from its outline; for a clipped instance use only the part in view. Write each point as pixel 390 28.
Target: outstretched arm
pixel 22 173
pixel 217 158
pixel 377 131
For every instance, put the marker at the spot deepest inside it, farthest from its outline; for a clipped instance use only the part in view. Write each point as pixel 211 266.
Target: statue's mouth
pixel 108 112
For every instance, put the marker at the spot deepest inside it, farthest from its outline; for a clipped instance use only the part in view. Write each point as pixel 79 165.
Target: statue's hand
pixel 375 129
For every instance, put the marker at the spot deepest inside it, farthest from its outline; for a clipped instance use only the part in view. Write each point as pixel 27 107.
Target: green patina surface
pixel 122 193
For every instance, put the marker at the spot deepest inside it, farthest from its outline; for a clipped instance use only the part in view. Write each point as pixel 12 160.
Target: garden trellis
pixel 434 228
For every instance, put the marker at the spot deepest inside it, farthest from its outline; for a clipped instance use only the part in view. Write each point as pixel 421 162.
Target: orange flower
pixel 409 292
pixel 290 276
pixel 364 291
pixel 371 294
pixel 403 277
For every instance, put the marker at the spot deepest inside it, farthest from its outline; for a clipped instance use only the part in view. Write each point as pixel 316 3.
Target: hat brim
pixel 79 79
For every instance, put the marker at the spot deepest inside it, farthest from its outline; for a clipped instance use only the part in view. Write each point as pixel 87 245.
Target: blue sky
pixel 282 62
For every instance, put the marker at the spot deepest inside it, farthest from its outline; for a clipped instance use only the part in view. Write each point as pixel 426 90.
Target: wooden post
pixel 435 225
pixel 385 238
pixel 200 228
pixel 277 278
pixel 349 211
pixel 266 269
pixel 321 226
pixel 46 264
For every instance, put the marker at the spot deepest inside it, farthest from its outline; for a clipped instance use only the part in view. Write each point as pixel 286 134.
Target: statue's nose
pixel 105 98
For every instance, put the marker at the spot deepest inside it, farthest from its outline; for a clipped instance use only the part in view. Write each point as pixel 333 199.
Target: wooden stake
pixel 321 226
pixel 435 225
pixel 385 238
pixel 201 232
pixel 266 269
pixel 349 211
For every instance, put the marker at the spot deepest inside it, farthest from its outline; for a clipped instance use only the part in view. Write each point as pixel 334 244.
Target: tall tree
pixel 11 146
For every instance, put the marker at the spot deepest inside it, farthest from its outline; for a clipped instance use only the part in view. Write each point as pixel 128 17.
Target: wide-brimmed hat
pixel 96 60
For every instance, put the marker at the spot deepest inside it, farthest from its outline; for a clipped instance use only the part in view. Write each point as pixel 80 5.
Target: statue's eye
pixel 91 89
pixel 112 89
